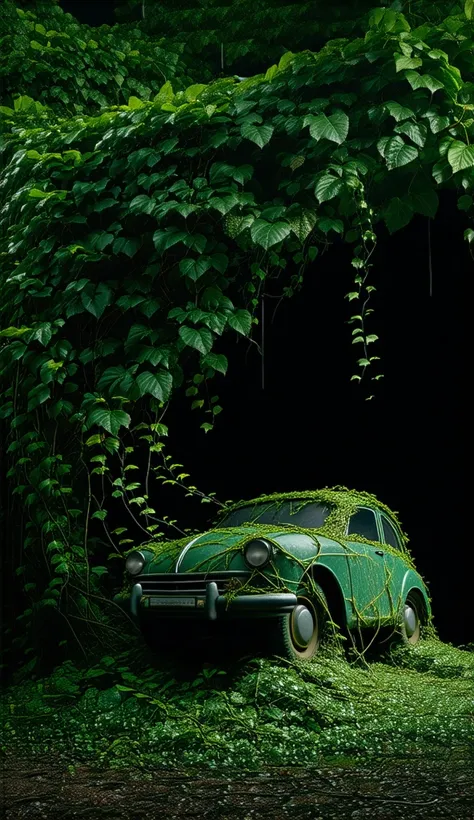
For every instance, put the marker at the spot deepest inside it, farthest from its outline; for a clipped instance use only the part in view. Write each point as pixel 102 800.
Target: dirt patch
pixel 45 788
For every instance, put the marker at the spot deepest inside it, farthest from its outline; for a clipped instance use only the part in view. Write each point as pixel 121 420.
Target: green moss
pixel 343 503
pixel 417 701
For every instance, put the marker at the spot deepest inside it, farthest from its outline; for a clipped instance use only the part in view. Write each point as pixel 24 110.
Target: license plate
pixel 172 602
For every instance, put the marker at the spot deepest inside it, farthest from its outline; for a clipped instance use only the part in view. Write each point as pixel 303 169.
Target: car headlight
pixel 258 553
pixel 134 563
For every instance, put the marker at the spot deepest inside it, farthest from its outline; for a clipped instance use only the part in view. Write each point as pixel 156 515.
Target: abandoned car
pixel 278 571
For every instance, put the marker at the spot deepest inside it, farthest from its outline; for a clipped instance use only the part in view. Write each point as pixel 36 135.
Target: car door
pixel 370 598
pixel 395 569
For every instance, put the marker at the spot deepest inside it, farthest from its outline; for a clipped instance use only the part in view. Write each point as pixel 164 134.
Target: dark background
pixel 308 426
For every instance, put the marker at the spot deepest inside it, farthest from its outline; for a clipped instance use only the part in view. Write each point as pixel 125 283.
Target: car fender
pixel 412 581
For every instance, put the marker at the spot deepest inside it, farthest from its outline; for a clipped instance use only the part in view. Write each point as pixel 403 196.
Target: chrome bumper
pixel 213 604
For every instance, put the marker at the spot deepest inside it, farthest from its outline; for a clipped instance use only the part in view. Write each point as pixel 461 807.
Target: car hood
pixel 216 550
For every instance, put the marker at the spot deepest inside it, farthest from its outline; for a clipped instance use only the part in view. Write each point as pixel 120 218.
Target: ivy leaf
pixel 243 173
pixel 425 202
pixel 241 321
pixel 327 224
pixel 460 155
pixel 397 153
pixel 334 128
pixel 128 246
pixel 219 262
pixel 116 379
pixel 423 81
pixel 402 62
pixel 267 234
pixel 165 94
pixel 416 131
pixel 12 332
pixel 110 420
pixel 302 224
pixel 260 135
pixel 98 240
pixel 165 239
pixel 199 339
pixel 142 204
pixel 328 187
pixel 465 202
pixel 194 268
pixel 38 395
pixel 399 112
pixel 398 214
pixel 96 301
pixel 469 9
pixel 216 360
pixel 437 123
pixel 156 384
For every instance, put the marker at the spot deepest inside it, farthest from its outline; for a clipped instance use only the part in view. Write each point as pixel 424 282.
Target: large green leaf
pixel 326 224
pixel 117 380
pixel 397 214
pixel 425 202
pixel 399 112
pixel 142 204
pixel 267 234
pixel 416 131
pixel 259 134
pixel 127 245
pixel 38 395
pixel 166 238
pixel 402 62
pixel 460 155
pixel 241 321
pixel 95 301
pixel 194 268
pixel 156 384
pixel 199 339
pixel 328 187
pixel 216 360
pixel 423 81
pixel 110 420
pixel 334 128
pixel 302 223
pixel 397 153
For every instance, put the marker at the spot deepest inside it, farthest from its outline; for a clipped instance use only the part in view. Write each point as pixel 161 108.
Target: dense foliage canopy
pixel 142 217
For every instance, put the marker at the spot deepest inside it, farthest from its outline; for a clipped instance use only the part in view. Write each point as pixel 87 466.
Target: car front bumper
pixel 211 605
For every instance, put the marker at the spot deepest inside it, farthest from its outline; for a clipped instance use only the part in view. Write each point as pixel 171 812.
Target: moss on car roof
pixel 343 503
pixel 343 499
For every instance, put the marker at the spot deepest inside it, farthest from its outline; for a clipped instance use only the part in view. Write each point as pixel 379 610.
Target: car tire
pixel 292 636
pixel 410 623
pixel 406 633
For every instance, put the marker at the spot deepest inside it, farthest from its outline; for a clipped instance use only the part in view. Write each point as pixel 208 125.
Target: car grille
pixel 192 583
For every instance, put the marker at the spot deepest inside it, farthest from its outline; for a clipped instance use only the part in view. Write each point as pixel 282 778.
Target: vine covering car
pixel 280 569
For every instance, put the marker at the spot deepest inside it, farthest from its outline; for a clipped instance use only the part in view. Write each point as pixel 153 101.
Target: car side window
pixel 363 523
pixel 389 534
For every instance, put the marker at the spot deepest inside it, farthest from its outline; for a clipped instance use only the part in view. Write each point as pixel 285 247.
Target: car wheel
pixel 297 636
pixel 410 620
pixel 407 632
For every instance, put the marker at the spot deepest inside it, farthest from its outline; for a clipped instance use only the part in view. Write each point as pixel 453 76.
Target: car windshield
pixel 295 512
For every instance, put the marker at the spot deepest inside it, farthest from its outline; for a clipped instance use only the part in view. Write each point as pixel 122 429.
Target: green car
pixel 277 571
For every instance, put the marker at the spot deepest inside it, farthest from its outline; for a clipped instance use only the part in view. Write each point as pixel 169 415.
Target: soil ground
pixel 47 788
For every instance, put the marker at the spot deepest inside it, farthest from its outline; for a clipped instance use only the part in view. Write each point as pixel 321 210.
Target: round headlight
pixel 134 563
pixel 257 553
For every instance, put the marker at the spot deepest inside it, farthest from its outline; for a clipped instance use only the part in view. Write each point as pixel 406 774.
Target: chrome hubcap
pixel 409 619
pixel 303 625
